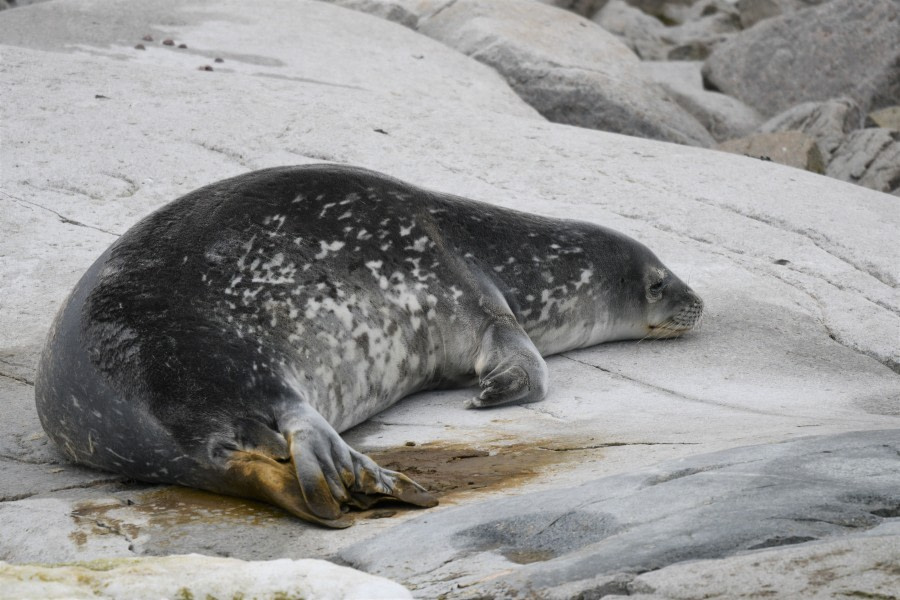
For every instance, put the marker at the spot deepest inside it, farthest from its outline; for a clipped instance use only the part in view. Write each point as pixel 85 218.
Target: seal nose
pixel 690 315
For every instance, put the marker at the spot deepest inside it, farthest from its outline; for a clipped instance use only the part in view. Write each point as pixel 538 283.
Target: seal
pixel 224 340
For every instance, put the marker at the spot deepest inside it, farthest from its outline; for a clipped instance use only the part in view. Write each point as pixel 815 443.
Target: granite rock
pixel 568 68
pixel 827 122
pixel 869 157
pixel 791 148
pixel 724 117
pixel 585 8
pixel 754 11
pixel 889 118
pixel 779 62
pixel 638 30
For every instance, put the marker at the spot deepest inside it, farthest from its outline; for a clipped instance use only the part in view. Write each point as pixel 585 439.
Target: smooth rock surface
pixel 798 271
pixel 724 117
pixel 827 122
pixel 869 157
pixel 195 576
pixel 565 542
pixel 863 566
pixel 779 62
pixel 569 69
pixel 791 148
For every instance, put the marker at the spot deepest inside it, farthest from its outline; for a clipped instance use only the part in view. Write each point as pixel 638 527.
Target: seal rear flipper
pixel 258 476
pixel 332 476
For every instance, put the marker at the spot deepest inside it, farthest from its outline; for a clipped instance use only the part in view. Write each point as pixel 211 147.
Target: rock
pixel 709 24
pixel 579 541
pixel 569 69
pixel 651 40
pixel 889 117
pixel 638 30
pixel 658 8
pixel 833 569
pixel 779 62
pixel 195 576
pixel 791 148
pixel 724 117
pixel 754 11
pixel 398 12
pixel 585 8
pixel 869 157
pixel 827 122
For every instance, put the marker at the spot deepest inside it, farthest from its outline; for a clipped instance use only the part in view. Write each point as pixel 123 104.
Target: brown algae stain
pixel 445 469
pixel 166 508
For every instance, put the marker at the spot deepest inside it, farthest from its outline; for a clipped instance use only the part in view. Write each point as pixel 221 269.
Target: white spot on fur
pixel 326 248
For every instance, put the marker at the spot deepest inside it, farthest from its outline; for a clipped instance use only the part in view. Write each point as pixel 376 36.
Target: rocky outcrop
pixel 780 62
pixel 827 122
pixel 869 157
pixel 566 67
pixel 724 117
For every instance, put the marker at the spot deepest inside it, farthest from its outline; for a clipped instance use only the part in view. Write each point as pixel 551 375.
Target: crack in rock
pixel 62 218
pixel 670 392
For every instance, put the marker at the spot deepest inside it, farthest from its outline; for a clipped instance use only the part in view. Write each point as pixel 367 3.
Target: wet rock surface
pixel 798 272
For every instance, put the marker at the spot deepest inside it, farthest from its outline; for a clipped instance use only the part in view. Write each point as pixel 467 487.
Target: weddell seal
pixel 225 340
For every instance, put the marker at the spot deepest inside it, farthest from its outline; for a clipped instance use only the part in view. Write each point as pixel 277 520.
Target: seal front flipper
pixel 332 476
pixel 509 367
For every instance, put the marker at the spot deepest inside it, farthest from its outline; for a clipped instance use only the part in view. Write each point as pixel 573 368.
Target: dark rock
pixel 843 47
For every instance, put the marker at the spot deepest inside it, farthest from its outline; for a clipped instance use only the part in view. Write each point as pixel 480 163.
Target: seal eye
pixel 655 291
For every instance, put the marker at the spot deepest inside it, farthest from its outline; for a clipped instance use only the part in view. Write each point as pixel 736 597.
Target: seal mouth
pixel 666 330
pixel 685 320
